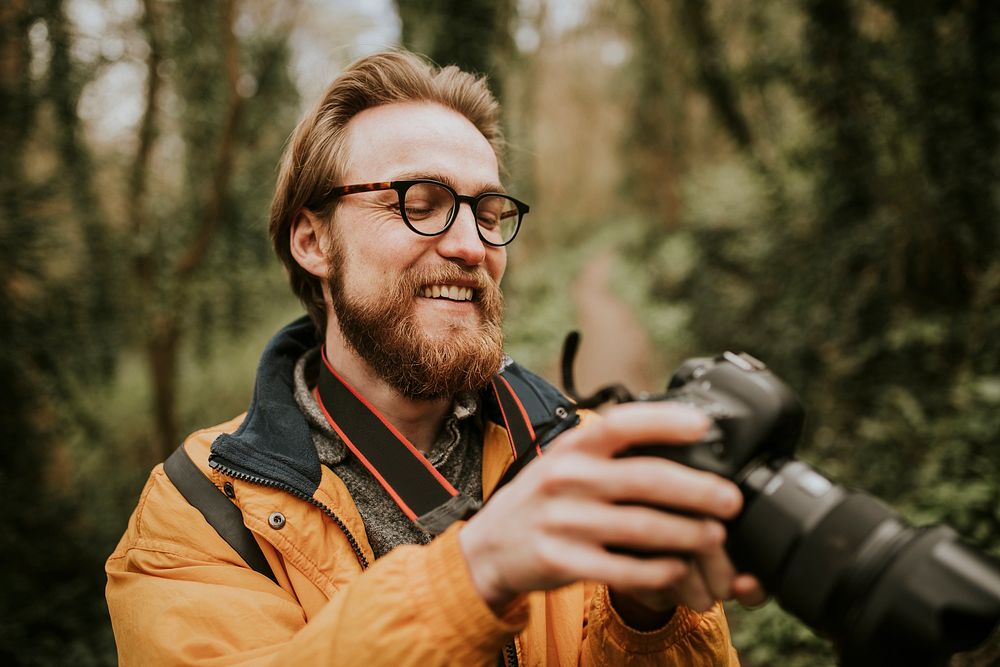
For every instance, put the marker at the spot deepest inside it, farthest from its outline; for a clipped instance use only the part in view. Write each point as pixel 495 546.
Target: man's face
pixel 384 277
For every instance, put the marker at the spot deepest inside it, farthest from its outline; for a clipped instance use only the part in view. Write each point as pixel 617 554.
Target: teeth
pixel 452 292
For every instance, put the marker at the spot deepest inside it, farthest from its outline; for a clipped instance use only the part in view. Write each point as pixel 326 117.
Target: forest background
pixel 813 181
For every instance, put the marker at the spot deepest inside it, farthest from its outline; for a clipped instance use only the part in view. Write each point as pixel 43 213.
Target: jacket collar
pixel 273 442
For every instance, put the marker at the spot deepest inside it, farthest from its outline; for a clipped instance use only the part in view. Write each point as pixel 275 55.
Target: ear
pixel 307 243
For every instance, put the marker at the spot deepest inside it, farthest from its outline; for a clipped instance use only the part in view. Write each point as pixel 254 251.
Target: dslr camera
pixel 844 563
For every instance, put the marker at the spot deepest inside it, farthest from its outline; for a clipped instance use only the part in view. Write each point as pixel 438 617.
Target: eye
pixel 418 210
pixel 492 211
pixel 487 220
pixel 428 203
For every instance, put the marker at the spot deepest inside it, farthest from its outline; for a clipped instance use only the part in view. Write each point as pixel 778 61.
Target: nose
pixel 461 243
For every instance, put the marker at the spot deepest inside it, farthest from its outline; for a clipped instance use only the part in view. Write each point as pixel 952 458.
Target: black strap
pixel 515 418
pixel 415 485
pixel 546 417
pixel 417 488
pixel 219 512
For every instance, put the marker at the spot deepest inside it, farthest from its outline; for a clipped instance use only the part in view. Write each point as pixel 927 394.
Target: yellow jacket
pixel 179 595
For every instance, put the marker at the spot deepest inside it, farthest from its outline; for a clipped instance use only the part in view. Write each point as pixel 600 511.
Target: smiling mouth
pixel 449 292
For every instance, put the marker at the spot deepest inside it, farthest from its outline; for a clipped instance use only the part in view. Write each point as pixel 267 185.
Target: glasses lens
pixel 428 207
pixel 498 218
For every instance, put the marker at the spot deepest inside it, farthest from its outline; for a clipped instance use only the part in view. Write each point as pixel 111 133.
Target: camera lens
pixel 853 570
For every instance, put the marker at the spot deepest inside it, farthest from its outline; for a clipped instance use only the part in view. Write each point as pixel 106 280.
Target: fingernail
pixel 716 533
pixel 730 498
pixel 694 417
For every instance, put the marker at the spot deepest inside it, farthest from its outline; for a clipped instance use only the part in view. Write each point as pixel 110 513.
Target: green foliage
pixel 90 234
pixel 769 636
pixel 475 35
pixel 49 565
pixel 537 309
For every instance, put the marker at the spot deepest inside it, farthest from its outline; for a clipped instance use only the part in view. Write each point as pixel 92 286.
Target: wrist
pixel 485 574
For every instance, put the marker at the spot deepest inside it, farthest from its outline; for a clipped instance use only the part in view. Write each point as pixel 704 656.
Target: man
pixel 392 223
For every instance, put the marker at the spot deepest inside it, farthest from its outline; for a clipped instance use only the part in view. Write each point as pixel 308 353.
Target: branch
pixel 64 88
pixel 16 99
pixel 713 73
pixel 138 183
pixel 212 214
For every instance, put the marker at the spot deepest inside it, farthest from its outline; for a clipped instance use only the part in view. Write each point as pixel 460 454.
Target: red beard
pixel 386 333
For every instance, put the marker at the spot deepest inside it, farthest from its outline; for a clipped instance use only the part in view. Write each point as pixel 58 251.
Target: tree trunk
pixel 163 347
pixel 164 339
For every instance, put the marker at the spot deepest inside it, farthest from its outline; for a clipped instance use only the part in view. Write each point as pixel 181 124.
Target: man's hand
pixel 710 577
pixel 551 525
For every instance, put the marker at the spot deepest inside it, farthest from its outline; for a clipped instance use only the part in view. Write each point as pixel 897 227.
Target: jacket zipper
pixel 510 653
pixel 263 481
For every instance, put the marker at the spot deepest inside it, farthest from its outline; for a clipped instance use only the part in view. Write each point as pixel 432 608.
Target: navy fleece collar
pixel 273 441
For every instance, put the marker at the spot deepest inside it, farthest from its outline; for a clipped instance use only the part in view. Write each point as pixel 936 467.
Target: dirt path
pixel 615 346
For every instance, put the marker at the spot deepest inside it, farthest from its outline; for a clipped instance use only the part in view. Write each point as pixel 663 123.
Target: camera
pixel 851 568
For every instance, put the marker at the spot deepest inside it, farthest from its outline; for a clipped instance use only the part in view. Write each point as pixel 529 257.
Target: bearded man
pixel 381 423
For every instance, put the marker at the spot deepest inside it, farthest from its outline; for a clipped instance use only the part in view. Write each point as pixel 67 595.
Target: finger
pixel 717 572
pixel 645 480
pixel 672 485
pixel 748 590
pixel 639 423
pixel 634 527
pixel 564 561
pixel 692 591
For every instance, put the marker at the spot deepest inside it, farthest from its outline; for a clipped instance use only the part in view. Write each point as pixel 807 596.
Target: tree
pixel 172 239
pixel 475 36
pixel 100 251
pixel 45 543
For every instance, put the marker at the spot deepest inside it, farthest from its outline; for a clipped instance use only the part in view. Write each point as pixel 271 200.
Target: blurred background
pixel 812 181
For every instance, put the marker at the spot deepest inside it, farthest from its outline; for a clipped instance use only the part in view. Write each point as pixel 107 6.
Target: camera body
pixel 848 566
pixel 755 416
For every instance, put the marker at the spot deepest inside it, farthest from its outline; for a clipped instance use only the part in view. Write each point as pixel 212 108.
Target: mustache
pixel 475 277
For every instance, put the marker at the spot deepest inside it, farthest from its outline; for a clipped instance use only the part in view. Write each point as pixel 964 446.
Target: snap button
pixel 276 520
pixel 561 412
pixel 227 488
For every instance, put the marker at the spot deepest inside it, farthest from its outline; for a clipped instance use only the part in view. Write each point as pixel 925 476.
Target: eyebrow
pixel 479 188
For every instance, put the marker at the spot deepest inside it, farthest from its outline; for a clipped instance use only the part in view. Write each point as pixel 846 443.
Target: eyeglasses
pixel 429 208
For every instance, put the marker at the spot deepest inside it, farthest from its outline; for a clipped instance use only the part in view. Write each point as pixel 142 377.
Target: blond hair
pixel 315 157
